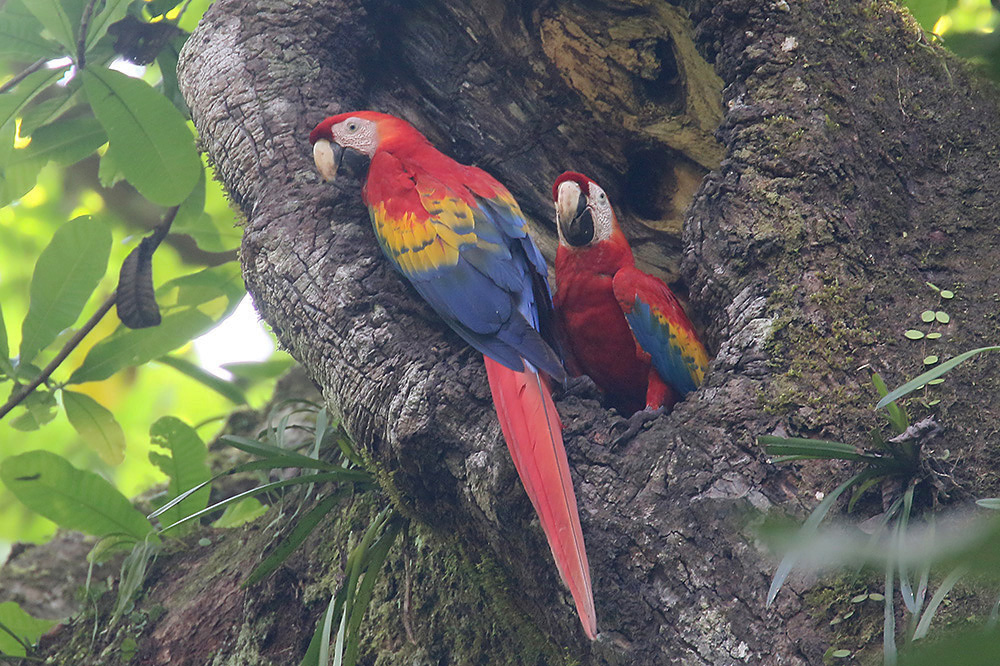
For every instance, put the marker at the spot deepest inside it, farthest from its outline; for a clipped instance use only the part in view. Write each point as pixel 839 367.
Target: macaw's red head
pixel 583 212
pixel 353 138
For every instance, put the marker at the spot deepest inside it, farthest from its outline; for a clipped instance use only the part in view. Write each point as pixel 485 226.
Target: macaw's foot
pixel 637 422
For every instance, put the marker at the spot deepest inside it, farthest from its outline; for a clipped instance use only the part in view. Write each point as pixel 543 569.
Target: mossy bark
pixel 851 164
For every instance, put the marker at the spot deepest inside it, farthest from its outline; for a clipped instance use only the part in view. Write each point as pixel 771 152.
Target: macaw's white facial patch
pixel 600 207
pixel 326 161
pixel 357 133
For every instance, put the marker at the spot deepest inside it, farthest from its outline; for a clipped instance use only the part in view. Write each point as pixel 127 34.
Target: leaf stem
pixel 81 42
pixel 67 349
pixel 22 75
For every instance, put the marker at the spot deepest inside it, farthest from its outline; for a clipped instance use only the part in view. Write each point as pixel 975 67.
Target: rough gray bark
pixel 842 129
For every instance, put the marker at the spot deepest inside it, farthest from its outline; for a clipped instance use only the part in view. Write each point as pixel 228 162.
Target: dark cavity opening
pixel 650 183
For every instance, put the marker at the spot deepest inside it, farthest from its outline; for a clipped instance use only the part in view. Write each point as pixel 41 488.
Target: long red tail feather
pixel 533 432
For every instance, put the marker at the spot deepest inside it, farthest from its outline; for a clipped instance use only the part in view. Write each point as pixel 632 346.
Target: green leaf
pixel 5 367
pixel 913 334
pixel 186 466
pixel 240 513
pixel 934 373
pixel 39 408
pixel 259 371
pixel 946 294
pixel 972 647
pixel 377 556
pixel 317 654
pixel 126 347
pixel 53 16
pixel 133 574
pixel 812 448
pixel 266 451
pixel 949 582
pixel 18 629
pixel 319 477
pixel 942 317
pixel 153 145
pixel 294 539
pixel 64 142
pixel 114 11
pixel 933 336
pixel 808 530
pixel 930 360
pixel 65 275
pixel 12 102
pixel 75 499
pixel 57 102
pixel 927 12
pixel 897 416
pixel 20 35
pixel 224 388
pixel 223 281
pixel 927 316
pixel 109 173
pixel 96 425
pixel 989 503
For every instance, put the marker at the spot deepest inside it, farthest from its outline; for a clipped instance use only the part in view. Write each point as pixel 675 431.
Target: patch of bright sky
pixel 239 338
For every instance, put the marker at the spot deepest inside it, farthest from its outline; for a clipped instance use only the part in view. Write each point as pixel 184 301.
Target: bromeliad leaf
pixel 798 448
pixel 65 275
pixel 96 425
pixel 922 380
pixel 72 498
pixel 302 529
pixel 152 144
pixel 186 465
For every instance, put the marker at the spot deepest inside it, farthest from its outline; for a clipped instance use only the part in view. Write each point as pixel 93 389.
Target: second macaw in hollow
pixel 624 328
pixel 460 239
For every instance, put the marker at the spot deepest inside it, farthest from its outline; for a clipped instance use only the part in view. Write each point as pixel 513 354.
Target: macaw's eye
pixel 601 196
pixel 352 127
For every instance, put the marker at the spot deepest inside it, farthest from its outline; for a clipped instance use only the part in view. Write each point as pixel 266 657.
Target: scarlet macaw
pixel 624 328
pixel 460 239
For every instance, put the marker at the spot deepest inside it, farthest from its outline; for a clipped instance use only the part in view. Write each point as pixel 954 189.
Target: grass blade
pixel 921 380
pixel 377 557
pixel 889 654
pixel 302 529
pixel 299 480
pixel 896 415
pixel 799 448
pixel 806 532
pixel 949 582
pixel 226 389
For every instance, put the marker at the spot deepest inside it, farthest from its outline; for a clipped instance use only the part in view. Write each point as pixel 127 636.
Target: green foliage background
pixel 91 159
pixel 56 167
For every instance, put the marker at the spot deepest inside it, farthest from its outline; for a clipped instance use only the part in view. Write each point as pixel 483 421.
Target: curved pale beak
pixel 327 157
pixel 576 224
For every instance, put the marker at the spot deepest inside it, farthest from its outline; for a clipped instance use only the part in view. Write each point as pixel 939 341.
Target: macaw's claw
pixel 637 422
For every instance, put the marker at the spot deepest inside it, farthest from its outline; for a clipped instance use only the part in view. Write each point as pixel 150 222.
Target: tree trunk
pixel 849 166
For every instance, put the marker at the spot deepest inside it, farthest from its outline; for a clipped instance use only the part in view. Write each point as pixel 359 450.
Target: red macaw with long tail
pixel 460 239
pixel 623 327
